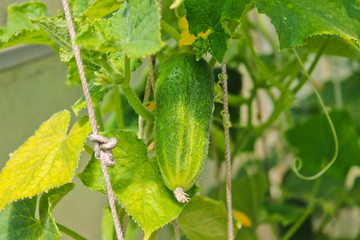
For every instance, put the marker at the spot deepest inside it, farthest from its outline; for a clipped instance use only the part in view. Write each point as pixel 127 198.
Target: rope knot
pixel 103 148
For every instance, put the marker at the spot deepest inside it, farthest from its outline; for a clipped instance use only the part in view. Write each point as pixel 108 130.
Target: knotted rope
pixel 105 154
pixel 103 145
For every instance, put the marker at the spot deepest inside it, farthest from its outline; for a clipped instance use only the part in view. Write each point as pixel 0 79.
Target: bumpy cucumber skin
pixel 184 105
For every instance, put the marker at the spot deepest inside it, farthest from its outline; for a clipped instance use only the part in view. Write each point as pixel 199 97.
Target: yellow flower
pixel 243 219
pixel 186 37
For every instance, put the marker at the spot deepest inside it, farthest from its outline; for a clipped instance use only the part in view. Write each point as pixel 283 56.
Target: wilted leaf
pixel 46 160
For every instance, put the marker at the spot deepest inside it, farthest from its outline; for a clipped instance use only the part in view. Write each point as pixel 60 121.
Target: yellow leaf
pixel 187 38
pixel 243 219
pixel 46 160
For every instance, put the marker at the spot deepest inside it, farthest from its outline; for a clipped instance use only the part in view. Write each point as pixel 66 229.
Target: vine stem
pixel 227 125
pixel 176 229
pixel 305 214
pixel 312 66
pixel 98 117
pixel 69 232
pixel 131 96
pixel 91 112
pixel 150 83
pixel 296 167
pixel 118 107
pixel 170 30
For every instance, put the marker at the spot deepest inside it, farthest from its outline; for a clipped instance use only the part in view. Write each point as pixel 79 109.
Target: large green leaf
pixel 296 20
pixel 20 29
pixel 94 35
pixel 101 8
pixel 17 220
pixel 203 15
pixel 136 25
pixel 136 181
pixel 204 218
pixel 57 29
pixel 214 15
pixel 315 144
pixel 46 160
pixel 336 46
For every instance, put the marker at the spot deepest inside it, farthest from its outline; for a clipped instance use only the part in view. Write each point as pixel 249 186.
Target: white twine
pixel 103 145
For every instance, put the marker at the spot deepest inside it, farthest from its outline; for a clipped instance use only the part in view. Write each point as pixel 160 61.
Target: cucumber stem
pixel 180 195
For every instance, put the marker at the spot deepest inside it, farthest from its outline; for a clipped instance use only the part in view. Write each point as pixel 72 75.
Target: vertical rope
pixel 176 229
pixel 98 152
pixel 227 125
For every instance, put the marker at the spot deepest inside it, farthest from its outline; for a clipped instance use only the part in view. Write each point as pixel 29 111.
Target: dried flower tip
pixel 180 195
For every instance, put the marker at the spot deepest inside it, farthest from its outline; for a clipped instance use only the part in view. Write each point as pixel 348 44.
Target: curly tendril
pixel 297 163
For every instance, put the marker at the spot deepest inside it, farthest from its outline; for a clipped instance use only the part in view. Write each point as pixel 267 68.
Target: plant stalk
pixel 176 229
pixel 304 78
pixel 118 108
pixel 98 117
pixel 70 232
pixel 305 214
pixel 170 30
pixel 131 96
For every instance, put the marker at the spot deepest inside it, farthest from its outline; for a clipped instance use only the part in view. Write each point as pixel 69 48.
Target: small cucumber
pixel 184 105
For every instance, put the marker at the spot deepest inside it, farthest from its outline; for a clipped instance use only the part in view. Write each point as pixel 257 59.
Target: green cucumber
pixel 184 104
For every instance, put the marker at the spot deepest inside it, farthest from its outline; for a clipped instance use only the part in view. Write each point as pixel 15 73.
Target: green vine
pixel 297 164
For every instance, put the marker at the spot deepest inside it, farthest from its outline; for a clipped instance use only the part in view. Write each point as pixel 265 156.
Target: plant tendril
pixel 297 164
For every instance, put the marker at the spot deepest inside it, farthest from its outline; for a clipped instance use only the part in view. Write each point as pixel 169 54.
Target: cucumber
pixel 184 104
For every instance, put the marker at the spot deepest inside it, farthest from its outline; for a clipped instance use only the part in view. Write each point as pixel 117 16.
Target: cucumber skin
pixel 184 104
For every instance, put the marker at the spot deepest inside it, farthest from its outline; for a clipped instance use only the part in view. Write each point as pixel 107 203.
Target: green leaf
pixel 102 8
pixel 336 46
pixel 46 160
pixel 136 181
pixel 204 218
pixel 207 14
pixel 18 222
pixel 20 29
pixel 97 93
pixel 57 29
pixel 315 144
pixel 136 25
pixel 18 219
pixel 50 199
pixel 235 9
pixel 296 20
pixel 78 6
pixel 94 35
